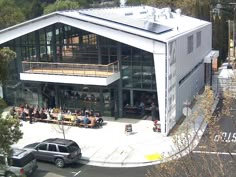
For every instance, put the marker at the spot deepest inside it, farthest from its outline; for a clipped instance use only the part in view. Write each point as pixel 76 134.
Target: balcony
pixel 73 73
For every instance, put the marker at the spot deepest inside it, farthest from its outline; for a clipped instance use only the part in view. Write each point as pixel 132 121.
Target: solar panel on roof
pixel 156 28
pixel 132 22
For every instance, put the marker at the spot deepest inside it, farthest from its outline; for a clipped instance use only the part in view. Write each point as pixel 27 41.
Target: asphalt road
pixel 79 170
pixel 224 138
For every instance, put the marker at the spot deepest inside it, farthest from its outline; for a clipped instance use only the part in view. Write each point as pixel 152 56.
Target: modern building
pixel 110 59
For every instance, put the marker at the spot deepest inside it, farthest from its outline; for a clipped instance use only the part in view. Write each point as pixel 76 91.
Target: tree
pixel 193 8
pixel 10 14
pixel 6 55
pixel 200 165
pixel 60 127
pixel 10 131
pixel 35 10
pixel 61 5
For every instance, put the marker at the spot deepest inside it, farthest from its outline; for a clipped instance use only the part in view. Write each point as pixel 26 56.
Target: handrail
pixel 70 63
pixel 97 70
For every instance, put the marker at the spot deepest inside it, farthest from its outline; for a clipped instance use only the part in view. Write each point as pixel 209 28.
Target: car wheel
pixel 59 162
pixel 10 174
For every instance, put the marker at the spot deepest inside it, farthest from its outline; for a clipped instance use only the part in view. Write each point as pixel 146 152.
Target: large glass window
pixel 137 68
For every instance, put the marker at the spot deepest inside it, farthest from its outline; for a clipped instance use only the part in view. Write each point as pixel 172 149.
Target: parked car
pixel 17 163
pixel 56 150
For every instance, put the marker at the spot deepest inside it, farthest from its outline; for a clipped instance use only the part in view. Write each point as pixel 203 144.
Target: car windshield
pixel 73 147
pixel 20 162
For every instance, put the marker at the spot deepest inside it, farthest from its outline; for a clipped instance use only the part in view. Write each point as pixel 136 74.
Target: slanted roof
pixel 149 22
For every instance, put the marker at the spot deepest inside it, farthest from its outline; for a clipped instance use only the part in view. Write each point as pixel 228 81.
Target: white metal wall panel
pixel 189 88
pixel 70 79
pixel 185 62
pixel 171 86
pixel 160 71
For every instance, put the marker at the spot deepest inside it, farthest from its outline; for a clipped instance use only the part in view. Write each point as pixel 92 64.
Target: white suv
pixel 19 163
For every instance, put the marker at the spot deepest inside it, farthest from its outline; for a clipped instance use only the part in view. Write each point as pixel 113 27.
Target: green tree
pixel 10 14
pixel 6 55
pixel 35 10
pixel 10 131
pixel 61 5
pixel 189 7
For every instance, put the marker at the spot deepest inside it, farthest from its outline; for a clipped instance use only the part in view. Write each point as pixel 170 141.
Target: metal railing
pixel 74 69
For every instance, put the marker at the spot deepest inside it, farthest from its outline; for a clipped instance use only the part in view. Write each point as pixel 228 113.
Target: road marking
pixel 76 173
pixel 152 157
pixel 220 153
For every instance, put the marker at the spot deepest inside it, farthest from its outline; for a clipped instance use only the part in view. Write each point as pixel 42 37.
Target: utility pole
pixel 229 36
pixel 234 18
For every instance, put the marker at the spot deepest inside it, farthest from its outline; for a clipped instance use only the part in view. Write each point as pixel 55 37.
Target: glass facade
pixel 138 70
pixel 61 43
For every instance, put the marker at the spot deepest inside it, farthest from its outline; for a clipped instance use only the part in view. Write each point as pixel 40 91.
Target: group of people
pixel 82 116
pixel 31 111
pixel 89 117
pixel 154 110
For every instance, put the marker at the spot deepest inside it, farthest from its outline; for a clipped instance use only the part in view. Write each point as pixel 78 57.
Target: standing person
pixel 31 110
pixel 154 112
pixel 45 103
pixel 142 108
pixel 23 114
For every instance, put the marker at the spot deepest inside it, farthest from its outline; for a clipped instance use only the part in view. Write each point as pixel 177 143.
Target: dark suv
pixel 59 151
pixel 18 163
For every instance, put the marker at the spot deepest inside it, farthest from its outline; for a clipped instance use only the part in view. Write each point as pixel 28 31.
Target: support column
pixel 99 50
pixel 116 104
pixel 54 47
pixel 57 96
pixel 37 45
pixel 131 97
pixel 40 97
pixel 120 90
pixel 161 77
pixel 101 102
pixel 18 56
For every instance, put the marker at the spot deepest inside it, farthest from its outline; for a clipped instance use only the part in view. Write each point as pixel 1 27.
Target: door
pixel 41 152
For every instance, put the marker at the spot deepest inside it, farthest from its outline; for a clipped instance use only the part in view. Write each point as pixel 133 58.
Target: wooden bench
pixel 93 124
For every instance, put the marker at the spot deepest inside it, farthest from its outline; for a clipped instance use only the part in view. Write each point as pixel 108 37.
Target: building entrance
pixel 138 104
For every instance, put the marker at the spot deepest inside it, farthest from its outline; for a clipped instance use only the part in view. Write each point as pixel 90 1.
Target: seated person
pixel 13 111
pixel 60 116
pixel 68 112
pixel 78 121
pixel 37 115
pixel 43 115
pixel 86 120
pixel 83 120
pixel 48 115
pixel 92 121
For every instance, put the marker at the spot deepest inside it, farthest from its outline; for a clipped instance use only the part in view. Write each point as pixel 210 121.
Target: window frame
pixel 190 42
pixel 42 145
pixel 51 145
pixel 199 39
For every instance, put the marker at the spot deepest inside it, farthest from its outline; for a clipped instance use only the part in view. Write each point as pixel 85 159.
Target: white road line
pixel 221 153
pixel 76 173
